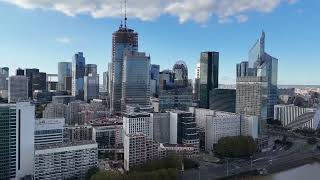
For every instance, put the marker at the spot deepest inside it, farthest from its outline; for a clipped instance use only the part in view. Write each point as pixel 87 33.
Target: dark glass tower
pixel 209 75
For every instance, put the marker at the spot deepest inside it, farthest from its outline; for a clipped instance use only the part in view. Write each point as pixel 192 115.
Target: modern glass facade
pixel 78 72
pixel 209 75
pixel 64 70
pixel 223 100
pixel 154 75
pixel 8 140
pixel 123 39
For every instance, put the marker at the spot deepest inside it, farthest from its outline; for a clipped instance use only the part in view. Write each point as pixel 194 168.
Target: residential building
pixel 48 131
pixel 78 73
pixel 65 161
pixel 55 110
pixel 18 89
pixel 209 76
pixel 108 136
pixel 77 133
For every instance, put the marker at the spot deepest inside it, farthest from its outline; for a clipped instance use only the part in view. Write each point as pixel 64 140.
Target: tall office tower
pixel 78 72
pixel 180 71
pixel 251 98
pixel 183 129
pixel 17 140
pixel 68 84
pixel 48 131
pixel 4 75
pixel 91 69
pixel 223 100
pixel 154 79
pixel 161 127
pixel 122 39
pixel 261 64
pixel 196 84
pixel 65 161
pixel 20 72
pixel 18 89
pixel 29 73
pixel 110 79
pixel 105 81
pixel 39 82
pixel 52 82
pixel 64 70
pixel 91 87
pixel 135 79
pixel 138 123
pixel 209 76
pixel 166 78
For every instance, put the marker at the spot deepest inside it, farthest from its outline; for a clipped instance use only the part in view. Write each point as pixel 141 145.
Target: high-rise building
pixel 77 133
pixel 251 98
pixel 138 123
pixel 223 100
pixel 17 140
pixel 287 114
pixel 55 110
pixel 161 127
pixel 135 79
pixel 261 64
pixel 4 75
pixel 29 73
pixel 154 79
pixel 91 87
pixel 65 161
pixel 180 71
pixel 110 79
pixel 39 82
pixel 48 131
pixel 179 98
pixel 78 73
pixel 183 129
pixel 18 89
pixel 209 76
pixel 64 70
pixel 91 69
pixel 105 80
pixel 196 84
pixel 20 72
pixel 108 136
pixel 122 39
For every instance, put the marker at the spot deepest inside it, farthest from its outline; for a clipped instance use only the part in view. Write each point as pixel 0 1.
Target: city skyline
pixel 82 33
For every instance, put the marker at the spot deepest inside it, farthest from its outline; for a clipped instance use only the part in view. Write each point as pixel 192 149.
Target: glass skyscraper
pixel 64 70
pixel 123 39
pixel 209 75
pixel 78 72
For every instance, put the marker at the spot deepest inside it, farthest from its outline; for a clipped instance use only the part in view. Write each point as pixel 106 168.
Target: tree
pixel 92 171
pixel 312 140
pixel 236 146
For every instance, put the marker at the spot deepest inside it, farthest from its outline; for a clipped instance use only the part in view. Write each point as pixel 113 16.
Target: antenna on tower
pixel 125 13
pixel 121 13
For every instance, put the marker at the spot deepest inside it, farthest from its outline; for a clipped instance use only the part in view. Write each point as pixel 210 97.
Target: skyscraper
pixel 29 73
pixel 64 70
pixel 122 39
pixel 17 140
pixel 91 87
pixel 19 72
pixel 209 72
pixel 261 64
pixel 180 71
pixel 91 69
pixel 18 89
pixel 135 79
pixel 105 81
pixel 78 72
pixel 154 79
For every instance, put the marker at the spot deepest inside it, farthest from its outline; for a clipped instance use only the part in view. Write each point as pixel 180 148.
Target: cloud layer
pixel 199 11
pixel 63 40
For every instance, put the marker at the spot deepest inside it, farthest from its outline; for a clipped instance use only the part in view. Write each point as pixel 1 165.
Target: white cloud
pixel 186 10
pixel 63 40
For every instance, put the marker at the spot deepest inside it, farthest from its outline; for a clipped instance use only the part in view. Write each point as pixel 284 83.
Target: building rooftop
pixel 61 145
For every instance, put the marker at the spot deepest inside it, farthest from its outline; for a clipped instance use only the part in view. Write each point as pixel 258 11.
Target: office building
pixel 91 87
pixel 109 79
pixel 29 73
pixel 161 127
pixel 122 39
pixel 18 89
pixel 138 123
pixel 108 136
pixel 223 100
pixel 77 133
pixel 251 98
pixel 78 73
pixel 48 131
pixel 287 114
pixel 154 79
pixel 135 79
pixel 55 110
pixel 4 75
pixel 183 129
pixel 209 76
pixel 179 98
pixel 261 64
pixel 180 150
pixel 63 99
pixel 17 140
pixel 180 71
pixel 166 79
pixel 91 69
pixel 139 149
pixel 20 72
pixel 52 82
pixel 64 71
pixel 106 81
pixel 65 161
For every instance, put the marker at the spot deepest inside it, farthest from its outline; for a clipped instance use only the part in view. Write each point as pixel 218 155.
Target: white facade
pixel 48 131
pixel 224 124
pixel 288 113
pixel 65 161
pixel 138 123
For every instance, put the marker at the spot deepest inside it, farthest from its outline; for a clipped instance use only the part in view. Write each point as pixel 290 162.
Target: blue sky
pixel 42 33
